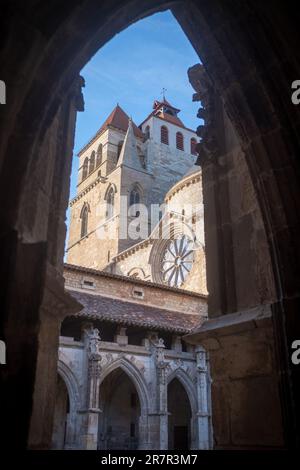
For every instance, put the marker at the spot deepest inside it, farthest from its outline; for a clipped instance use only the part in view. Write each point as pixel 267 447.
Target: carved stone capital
pixel 208 148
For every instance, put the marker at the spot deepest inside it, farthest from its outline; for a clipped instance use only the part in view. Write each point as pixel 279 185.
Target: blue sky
pixel 131 70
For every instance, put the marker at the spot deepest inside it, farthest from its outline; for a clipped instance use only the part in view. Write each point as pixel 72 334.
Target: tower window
pixel 135 198
pixel 110 203
pixel 92 163
pixel 99 155
pixel 147 133
pixel 85 168
pixel 164 135
pixel 179 141
pixel 193 146
pixel 84 220
pixel 120 145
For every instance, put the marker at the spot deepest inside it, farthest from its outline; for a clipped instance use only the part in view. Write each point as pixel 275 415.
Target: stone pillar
pixel 162 393
pixel 91 413
pixel 143 432
pixel 203 416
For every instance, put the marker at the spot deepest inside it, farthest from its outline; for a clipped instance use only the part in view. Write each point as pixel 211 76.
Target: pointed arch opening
pixel 92 162
pixel 61 415
pixel 99 155
pixel 121 412
pixel 85 168
pixel 179 417
pixel 110 202
pixel 84 216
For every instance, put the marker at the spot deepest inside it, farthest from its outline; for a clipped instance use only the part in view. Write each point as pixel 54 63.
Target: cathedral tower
pixel 123 165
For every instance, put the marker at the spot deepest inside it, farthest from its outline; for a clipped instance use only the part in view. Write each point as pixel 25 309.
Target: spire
pixel 129 155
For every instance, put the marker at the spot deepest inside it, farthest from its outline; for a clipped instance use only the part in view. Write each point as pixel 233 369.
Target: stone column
pixel 161 365
pixel 91 413
pixel 203 415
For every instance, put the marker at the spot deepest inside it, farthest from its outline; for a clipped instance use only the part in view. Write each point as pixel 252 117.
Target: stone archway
pixel 68 377
pixel 120 413
pixel 140 386
pixel 190 396
pixel 30 236
pixel 179 417
pixel 61 415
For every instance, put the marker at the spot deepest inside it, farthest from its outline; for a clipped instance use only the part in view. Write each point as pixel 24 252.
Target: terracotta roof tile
pixel 127 313
pixel 119 119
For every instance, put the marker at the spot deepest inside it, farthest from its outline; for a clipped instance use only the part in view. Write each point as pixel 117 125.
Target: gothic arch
pixel 56 73
pixel 73 389
pixel 85 206
pixel 188 386
pixel 110 186
pixel 137 379
pixel 71 383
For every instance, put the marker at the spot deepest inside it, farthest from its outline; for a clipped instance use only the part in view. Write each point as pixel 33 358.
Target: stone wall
pixel 121 287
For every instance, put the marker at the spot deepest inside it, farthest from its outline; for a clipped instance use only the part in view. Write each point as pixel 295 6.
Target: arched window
pixel 193 146
pixel 85 168
pixel 179 141
pixel 84 220
pixel 135 197
pixel 92 163
pixel 164 135
pixel 110 200
pixel 147 132
pixel 99 155
pixel 120 145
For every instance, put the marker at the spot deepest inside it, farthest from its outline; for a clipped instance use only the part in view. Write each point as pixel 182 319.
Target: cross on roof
pixel 163 93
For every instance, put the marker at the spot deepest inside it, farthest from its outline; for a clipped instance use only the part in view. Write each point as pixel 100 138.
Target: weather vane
pixel 163 93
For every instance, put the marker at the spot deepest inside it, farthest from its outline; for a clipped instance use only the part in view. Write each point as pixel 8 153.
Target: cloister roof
pixel 134 314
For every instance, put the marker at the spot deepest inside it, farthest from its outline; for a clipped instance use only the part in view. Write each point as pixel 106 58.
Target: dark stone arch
pixel 252 76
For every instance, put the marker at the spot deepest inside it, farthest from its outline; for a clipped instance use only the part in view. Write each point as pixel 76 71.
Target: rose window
pixel 177 261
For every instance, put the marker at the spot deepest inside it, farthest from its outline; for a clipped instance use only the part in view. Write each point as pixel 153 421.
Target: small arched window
pixel 193 146
pixel 135 197
pixel 99 155
pixel 84 220
pixel 85 168
pixel 179 141
pixel 147 132
pixel 110 200
pixel 120 145
pixel 92 163
pixel 164 135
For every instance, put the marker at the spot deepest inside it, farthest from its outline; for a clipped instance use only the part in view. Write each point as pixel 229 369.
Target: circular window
pixel 177 261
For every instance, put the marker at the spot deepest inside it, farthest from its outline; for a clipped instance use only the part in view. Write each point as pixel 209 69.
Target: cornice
pixel 99 179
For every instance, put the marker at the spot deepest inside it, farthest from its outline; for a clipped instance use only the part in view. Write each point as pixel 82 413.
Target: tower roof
pixel 129 154
pixel 164 110
pixel 118 119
